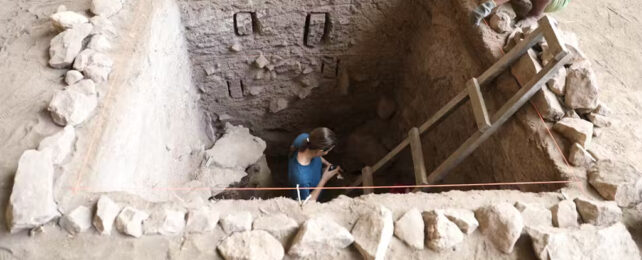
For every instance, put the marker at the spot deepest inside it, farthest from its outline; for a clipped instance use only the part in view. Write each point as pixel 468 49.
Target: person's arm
pixel 538 8
pixel 325 162
pixel 327 175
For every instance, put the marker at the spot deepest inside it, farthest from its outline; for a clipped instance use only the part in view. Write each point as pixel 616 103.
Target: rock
pixel 106 8
pixel 318 237
pixel 94 65
pixel 597 212
pixel 386 107
pixel 61 8
pixel 598 120
pixel 102 26
pixel 534 215
pixel 259 175
pixel 237 222
pixel 502 224
pixel 500 22
pixel 165 221
pixel 572 114
pixel 280 226
pixel 279 104
pixel 372 233
pixel 548 105
pixel 579 157
pixel 59 145
pixel 201 220
pixel 618 181
pixel 73 76
pixel 250 245
pixel 410 229
pixel 463 218
pixel 261 61
pixel 441 233
pixel 130 221
pixel 85 86
pixel 515 36
pixel 526 67
pixel 602 109
pixel 99 43
pixel 65 46
pixel 236 47
pixel 69 107
pixel 67 19
pixel 557 84
pixel 589 242
pixel 78 220
pixel 565 214
pixel 576 130
pixel 31 203
pixel 106 212
pixel 522 7
pixel 581 87
pixel 236 149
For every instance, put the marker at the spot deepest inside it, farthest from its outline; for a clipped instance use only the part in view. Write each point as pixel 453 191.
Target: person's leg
pixel 538 8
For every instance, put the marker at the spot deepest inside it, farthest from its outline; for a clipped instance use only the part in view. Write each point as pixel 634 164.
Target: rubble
pixel 78 220
pixel 67 19
pixel 201 220
pixel 165 221
pixel 237 222
pixel 261 61
pixel 581 87
pixel 372 233
pixel 65 46
pixel 598 120
pixel 236 149
pixel 579 157
pixel 106 212
pixel 534 215
pixel 501 22
pixel 502 224
pixel 69 107
pixel 602 110
pixel 548 105
pixel 94 65
pixel 410 229
pixel 597 212
pixel 73 76
pixel 256 244
pixel 280 226
pixel 130 221
pixel 279 104
pixel 102 26
pixel 576 130
pixel 59 145
pixel 557 84
pixel 99 43
pixel 318 237
pixel 106 8
pixel 463 218
pixel 565 214
pixel 441 233
pixel 618 181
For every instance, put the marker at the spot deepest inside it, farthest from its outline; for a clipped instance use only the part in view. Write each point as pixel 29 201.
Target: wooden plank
pixel 504 113
pixel 444 111
pixel 366 174
pixel 478 104
pixel 551 34
pixel 421 177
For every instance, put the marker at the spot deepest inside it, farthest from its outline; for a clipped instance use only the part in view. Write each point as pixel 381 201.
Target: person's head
pixel 320 142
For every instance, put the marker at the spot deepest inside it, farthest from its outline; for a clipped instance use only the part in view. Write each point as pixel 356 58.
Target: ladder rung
pixel 479 106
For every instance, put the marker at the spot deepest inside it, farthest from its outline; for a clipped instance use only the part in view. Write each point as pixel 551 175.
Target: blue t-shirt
pixel 304 175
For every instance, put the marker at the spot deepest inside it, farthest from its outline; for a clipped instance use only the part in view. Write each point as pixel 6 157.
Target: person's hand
pixel 328 174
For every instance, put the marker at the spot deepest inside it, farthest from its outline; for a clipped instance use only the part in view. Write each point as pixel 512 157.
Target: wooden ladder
pixel 487 125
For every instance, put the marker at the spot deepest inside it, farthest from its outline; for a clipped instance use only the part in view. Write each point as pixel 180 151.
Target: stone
pixel 78 220
pixel 282 227
pixel 59 145
pixel 588 242
pixel 576 130
pixel 31 203
pixel 386 107
pixel 599 213
pixel 65 46
pixel 557 84
pixel 581 87
pixel 548 105
pixel 565 214
pixel 502 224
pixel 501 22
pixel 598 120
pixel 249 245
pixel 318 237
pixel 236 47
pixel 602 109
pixel 165 221
pixel 526 67
pixel 130 221
pixel 61 8
pixel 372 233
pixel 515 36
pixel 410 229
pixel 237 222
pixel 441 233
pixel 261 61
pixel 102 26
pixel 67 20
pixel 69 107
pixel 106 212
pixel 85 87
pixel 99 43
pixel 94 65
pixel 522 7
pixel 236 149
pixel 277 105
pixel 617 181
pixel 201 220
pixel 106 8
pixel 579 157
pixel 534 215
pixel 73 76
pixel 463 218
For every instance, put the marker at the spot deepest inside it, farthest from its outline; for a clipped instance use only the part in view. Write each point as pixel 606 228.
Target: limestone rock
pixel 502 224
pixel 130 221
pixel 31 203
pixel 318 237
pixel 106 212
pixel 372 233
pixel 85 86
pixel 576 130
pixel 165 221
pixel 526 67
pixel 106 8
pixel 565 214
pixel 463 218
pixel 618 181
pixel 261 61
pixel 65 46
pixel 386 107
pixel 280 226
pixel 548 105
pixel 250 245
pixel 102 26
pixel 581 87
pixel 589 242
pixel 515 36
pixel 534 215
pixel 236 149
pixel 69 107
pixel 279 104
pixel 99 43
pixel 73 76
pixel 59 144
pixel 94 65
pixel 201 220
pixel 237 222
pixel 236 47
pixel 410 229
pixel 78 220
pixel 597 212
pixel 579 157
pixel 500 22
pixel 557 84
pixel 598 120
pixel 441 233
pixel 67 19
pixel 602 110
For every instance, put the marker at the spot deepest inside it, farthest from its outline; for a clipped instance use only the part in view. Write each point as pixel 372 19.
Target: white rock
pixel 597 212
pixel 236 149
pixel 61 8
pixel 548 105
pixel 565 214
pixel 500 22
pixel 73 76
pixel 94 65
pixel 237 222
pixel 581 87
pixel 102 26
pixel 106 8
pixel 85 86
pixel 261 61
pixel 99 43
pixel 248 245
pixel 372 233
pixel 502 224
pixel 526 67
pixel 410 229
pixel 67 19
pixel 463 218
pixel 31 203
pixel 579 157
pixel 318 237
pixel 278 104
pixel 165 221
pixel 236 47
pixel 201 220
pixel 557 84
pixel 441 233
pixel 280 226
pixel 534 215
pixel 65 46
pixel 59 144
pixel 576 130
pixel 78 220
pixel 106 212
pixel 130 221
pixel 618 181
pixel 602 109
pixel 69 107
pixel 598 120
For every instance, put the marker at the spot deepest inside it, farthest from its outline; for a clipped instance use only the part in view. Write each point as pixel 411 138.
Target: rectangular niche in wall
pixel 245 23
pixel 329 67
pixel 317 28
pixel 235 88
